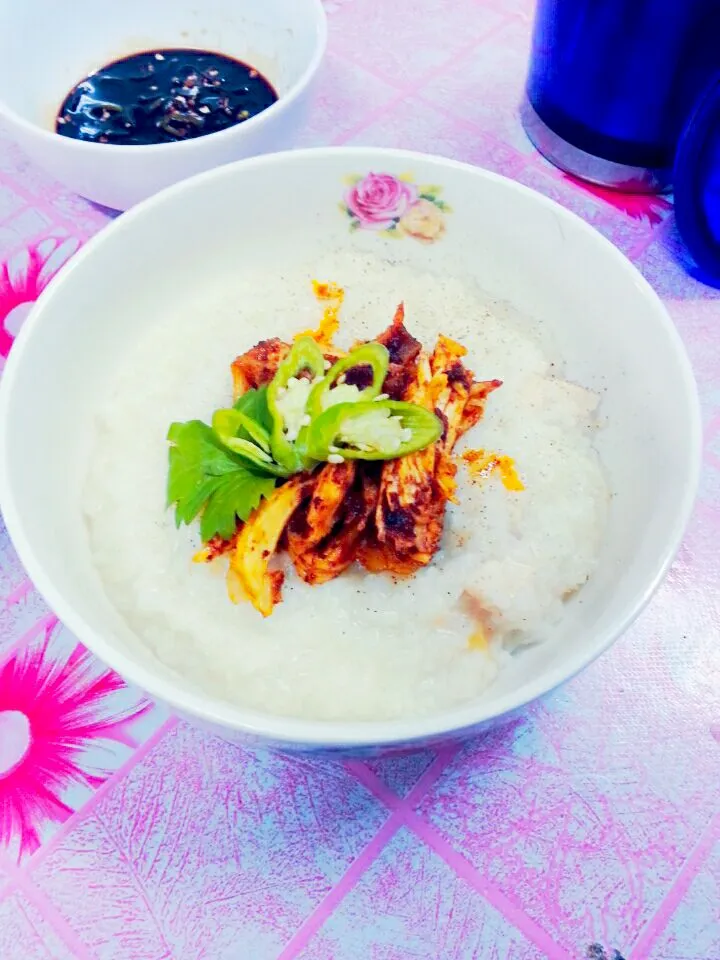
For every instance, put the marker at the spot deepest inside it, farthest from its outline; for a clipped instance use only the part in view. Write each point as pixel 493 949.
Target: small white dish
pixel 47 47
pixel 608 325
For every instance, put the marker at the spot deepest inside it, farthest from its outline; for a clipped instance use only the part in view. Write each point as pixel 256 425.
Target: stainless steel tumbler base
pixel 605 173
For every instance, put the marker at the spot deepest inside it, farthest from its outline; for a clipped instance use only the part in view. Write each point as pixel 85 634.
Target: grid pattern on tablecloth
pixel 590 827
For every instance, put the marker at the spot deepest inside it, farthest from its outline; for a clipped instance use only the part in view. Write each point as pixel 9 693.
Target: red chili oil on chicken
pixel 163 96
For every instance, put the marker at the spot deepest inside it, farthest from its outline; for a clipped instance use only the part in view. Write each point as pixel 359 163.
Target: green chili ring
pixel 334 433
pixel 305 355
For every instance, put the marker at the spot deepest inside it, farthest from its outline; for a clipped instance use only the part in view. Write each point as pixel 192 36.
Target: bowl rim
pixel 196 143
pixel 318 734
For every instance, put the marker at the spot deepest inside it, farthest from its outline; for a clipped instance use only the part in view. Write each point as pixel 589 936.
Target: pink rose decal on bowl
pixel 395 207
pixel 378 200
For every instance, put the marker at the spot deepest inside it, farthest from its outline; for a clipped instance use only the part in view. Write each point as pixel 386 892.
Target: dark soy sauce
pixel 163 96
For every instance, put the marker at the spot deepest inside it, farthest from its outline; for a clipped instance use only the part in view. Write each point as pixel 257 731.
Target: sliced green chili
pixel 287 399
pixel 329 392
pixel 234 423
pixel 374 430
pixel 232 428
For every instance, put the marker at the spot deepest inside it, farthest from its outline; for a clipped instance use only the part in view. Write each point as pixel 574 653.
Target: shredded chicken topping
pixel 388 516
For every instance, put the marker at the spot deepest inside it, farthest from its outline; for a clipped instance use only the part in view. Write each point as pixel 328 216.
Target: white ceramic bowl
pixel 277 211
pixel 47 47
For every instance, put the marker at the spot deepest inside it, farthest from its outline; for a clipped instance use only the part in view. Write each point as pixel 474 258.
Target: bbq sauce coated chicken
pixel 387 516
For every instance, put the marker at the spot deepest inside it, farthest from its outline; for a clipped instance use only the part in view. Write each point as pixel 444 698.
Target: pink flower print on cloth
pixel 395 206
pixel 57 709
pixel 23 277
pixel 639 206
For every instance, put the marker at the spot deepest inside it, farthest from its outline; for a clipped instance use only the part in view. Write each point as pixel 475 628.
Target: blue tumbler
pixel 613 83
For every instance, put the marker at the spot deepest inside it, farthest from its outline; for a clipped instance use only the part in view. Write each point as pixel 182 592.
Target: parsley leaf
pixel 254 404
pixel 237 495
pixel 204 475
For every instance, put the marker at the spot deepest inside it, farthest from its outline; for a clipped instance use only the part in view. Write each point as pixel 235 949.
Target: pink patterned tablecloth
pixel 590 828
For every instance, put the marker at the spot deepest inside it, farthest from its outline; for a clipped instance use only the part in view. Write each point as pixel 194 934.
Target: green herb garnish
pixel 206 476
pixel 254 404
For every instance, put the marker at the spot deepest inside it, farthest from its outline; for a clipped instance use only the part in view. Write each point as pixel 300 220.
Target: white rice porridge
pixel 361 647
